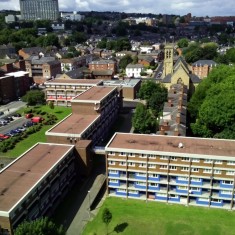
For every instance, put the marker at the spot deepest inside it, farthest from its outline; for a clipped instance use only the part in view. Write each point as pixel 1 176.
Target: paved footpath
pixel 84 215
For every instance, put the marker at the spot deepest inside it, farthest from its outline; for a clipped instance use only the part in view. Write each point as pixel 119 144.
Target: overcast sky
pixel 177 7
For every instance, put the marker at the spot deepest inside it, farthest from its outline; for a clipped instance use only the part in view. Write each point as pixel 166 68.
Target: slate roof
pixel 204 62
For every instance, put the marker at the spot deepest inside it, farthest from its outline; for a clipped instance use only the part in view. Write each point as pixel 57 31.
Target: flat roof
pixel 95 94
pixel 74 124
pixel 18 178
pixel 17 73
pixel 123 83
pixel 74 81
pixel 158 144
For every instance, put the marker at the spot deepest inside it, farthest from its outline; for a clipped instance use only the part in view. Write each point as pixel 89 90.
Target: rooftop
pixel 26 171
pixel 170 144
pixel 75 125
pixel 95 94
pixel 74 81
pixel 123 83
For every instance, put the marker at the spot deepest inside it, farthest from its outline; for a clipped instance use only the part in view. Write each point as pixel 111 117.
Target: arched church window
pixel 180 81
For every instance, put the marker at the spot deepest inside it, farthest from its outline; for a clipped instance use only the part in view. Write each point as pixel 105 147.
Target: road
pixel 11 107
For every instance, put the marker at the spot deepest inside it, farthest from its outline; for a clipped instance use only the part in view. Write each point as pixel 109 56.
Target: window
pixel 152 157
pixel 141 174
pixel 164 158
pixel 153 175
pixel 215 200
pixel 113 171
pixel 173 158
pixel 111 153
pixel 227 192
pixel 184 168
pixel 143 156
pixel 111 163
pixel 113 181
pixel 133 191
pixel 182 178
pixel 195 160
pixel 195 189
pixel 173 196
pixel 121 190
pixel 153 184
pixel 227 182
pixel 194 169
pixel 230 162
pixel 163 167
pixel 218 162
pixel 131 164
pixel 122 163
pixel 185 159
pixel 162 194
pixel 122 154
pixel 218 172
pixel 230 172
pixel 207 161
pixel 140 183
pixel 196 179
pixel 182 187
pixel 203 199
pixel 207 171
pixel 152 166
pixel 143 165
pixel 131 155
pixel 173 168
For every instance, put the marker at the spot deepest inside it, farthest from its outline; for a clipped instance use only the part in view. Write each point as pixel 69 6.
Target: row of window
pixel 166 167
pixel 172 158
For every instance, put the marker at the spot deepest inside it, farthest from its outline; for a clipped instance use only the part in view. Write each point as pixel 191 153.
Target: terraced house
pixel 185 170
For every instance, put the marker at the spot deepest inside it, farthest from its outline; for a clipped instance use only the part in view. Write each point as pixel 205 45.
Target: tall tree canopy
pixel 212 107
pixel 42 226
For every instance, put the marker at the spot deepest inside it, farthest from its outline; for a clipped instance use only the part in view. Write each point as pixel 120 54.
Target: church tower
pixel 168 60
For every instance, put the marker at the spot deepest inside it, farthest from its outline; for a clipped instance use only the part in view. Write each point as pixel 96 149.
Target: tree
pixel 213 105
pixel 34 97
pixel 124 61
pixel 147 89
pixel 143 121
pixel 106 217
pixel 42 226
pixel 51 105
pixel 183 42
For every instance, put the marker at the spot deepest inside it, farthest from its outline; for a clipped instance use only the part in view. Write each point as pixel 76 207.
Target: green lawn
pixel 155 218
pixel 22 146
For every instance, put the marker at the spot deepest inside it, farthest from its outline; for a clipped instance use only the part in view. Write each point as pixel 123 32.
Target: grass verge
pixel 22 146
pixel 134 217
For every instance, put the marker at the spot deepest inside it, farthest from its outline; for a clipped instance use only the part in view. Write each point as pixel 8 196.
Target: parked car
pixel 37 119
pixel 1 113
pixel 3 122
pixel 9 118
pixel 10 134
pixel 2 136
pixel 29 115
pixel 21 128
pixel 28 124
pixel 16 115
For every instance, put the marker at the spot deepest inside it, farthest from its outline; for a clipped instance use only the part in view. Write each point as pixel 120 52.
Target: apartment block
pixel 103 65
pixel 184 170
pixel 93 112
pixel 62 91
pixel 35 183
pixel 39 10
pixel 202 68
pixel 42 68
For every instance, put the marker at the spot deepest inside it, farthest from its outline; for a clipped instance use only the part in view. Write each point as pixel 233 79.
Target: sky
pixel 176 7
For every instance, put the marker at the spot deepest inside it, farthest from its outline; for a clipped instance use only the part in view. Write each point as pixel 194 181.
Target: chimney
pixel 178 118
pixel 9 68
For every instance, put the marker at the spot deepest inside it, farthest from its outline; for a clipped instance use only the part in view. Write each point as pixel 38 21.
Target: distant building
pixel 134 70
pixel 202 68
pixel 40 9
